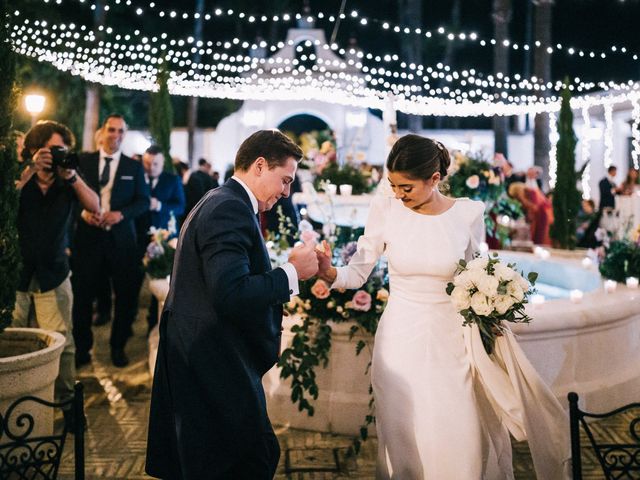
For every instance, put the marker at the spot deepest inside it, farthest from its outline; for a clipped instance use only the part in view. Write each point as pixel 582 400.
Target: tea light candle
pixel 483 247
pixel 587 262
pixel 610 286
pixel 632 282
pixel 576 295
pixel 331 189
pixel 537 299
pixel 544 254
pixel 346 189
pixel 537 251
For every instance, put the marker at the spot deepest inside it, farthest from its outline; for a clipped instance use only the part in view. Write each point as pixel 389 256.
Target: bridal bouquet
pixel 487 292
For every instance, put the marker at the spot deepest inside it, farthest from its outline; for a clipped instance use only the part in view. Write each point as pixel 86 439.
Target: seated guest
pixel 538 210
pixel 608 189
pixel 631 183
pixel 587 223
pixel 49 193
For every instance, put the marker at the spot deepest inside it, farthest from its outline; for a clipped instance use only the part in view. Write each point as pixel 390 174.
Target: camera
pixel 63 158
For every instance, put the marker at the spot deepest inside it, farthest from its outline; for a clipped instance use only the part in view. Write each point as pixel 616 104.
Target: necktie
pixel 106 172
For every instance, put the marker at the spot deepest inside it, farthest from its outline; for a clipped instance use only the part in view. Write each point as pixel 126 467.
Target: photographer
pixel 49 188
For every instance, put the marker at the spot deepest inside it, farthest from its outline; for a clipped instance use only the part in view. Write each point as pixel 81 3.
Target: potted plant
pixel 29 357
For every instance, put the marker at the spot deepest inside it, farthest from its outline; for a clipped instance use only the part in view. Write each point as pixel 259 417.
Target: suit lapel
pixel 242 193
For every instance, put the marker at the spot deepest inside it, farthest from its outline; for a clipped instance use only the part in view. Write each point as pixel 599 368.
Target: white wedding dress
pixel 444 408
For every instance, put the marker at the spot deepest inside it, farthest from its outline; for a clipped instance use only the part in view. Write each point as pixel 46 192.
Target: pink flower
pixel 473 181
pixel 309 236
pixel 361 301
pixel 173 243
pixel 320 290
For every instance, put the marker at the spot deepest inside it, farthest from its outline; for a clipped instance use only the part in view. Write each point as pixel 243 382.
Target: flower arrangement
pixel 158 258
pixel 620 257
pixel 475 177
pixel 486 292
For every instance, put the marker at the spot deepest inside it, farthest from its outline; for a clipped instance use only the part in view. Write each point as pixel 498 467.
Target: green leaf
pixel 450 287
pixel 532 277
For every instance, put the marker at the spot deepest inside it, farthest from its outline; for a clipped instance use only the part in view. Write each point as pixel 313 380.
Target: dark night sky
pixel 586 24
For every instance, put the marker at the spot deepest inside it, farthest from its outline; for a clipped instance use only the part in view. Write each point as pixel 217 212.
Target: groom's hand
pixel 304 260
pixel 326 271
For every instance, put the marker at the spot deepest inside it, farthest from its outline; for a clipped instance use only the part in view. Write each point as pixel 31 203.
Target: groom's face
pixel 275 183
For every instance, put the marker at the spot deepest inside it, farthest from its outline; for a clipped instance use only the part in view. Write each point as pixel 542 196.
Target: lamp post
pixel 34 104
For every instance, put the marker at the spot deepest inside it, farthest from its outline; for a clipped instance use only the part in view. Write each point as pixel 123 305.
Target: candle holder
pixel 632 282
pixel 610 286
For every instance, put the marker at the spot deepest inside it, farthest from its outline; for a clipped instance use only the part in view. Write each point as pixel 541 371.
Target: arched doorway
pixel 301 123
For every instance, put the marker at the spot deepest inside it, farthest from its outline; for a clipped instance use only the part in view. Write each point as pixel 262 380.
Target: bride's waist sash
pixel 420 289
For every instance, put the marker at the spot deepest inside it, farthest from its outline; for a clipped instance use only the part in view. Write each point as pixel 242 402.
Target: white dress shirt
pixel 288 268
pixel 105 192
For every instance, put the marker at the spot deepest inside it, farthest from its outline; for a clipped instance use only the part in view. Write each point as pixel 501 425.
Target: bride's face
pixel 414 193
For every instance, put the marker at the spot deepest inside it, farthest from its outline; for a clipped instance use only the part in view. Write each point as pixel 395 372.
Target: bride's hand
pixel 325 270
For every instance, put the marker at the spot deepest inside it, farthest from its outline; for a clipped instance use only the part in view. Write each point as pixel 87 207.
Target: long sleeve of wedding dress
pixel 370 248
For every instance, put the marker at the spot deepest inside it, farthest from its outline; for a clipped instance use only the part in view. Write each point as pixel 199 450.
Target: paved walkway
pixel 117 408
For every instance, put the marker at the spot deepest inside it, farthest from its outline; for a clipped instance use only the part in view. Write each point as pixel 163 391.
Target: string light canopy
pixel 152 8
pixel 362 79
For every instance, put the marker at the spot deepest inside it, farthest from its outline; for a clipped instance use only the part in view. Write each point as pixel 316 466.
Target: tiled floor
pixel 117 405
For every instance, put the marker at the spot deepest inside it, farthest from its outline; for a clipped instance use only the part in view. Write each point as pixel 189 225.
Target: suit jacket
pixel 607 198
pixel 170 192
pixel 130 195
pixel 220 333
pixel 199 183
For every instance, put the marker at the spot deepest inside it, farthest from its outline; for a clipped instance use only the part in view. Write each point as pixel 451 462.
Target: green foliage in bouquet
pixel 10 261
pixel 346 174
pixel 621 260
pixel 566 197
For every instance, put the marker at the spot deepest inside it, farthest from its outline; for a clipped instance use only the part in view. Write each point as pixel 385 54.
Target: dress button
pixel 290 292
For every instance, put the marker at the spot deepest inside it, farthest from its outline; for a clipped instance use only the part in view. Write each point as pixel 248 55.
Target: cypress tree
pixel 566 197
pixel 10 261
pixel 161 116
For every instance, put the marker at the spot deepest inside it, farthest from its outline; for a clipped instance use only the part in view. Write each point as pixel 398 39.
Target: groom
pixel 220 329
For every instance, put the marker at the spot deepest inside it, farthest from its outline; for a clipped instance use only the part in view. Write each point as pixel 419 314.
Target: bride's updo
pixel 418 157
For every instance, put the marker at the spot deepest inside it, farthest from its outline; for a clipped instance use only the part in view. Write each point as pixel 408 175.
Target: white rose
pixel 502 303
pixel 515 290
pixel 479 263
pixel 503 272
pixel 480 304
pixel 460 298
pixel 489 286
pixel 476 277
pixel 463 280
pixel 473 181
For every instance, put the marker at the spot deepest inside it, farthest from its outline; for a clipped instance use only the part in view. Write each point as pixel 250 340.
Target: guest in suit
pixel 608 189
pixel 200 182
pixel 107 242
pixel 167 201
pixel 220 329
pixel 167 193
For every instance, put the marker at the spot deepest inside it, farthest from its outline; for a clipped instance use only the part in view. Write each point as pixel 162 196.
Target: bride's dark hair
pixel 418 157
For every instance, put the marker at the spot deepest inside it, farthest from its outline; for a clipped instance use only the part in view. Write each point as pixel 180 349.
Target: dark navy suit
pixel 98 252
pixel 607 197
pixel 169 191
pixel 220 333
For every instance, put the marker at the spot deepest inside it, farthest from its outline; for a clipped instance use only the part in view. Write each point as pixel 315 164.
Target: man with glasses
pixel 105 242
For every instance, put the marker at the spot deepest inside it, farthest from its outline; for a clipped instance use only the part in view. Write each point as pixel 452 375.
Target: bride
pixel 444 409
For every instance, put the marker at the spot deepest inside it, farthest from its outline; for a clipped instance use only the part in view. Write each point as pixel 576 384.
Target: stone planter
pixel 343 399
pixel 159 288
pixel 29 364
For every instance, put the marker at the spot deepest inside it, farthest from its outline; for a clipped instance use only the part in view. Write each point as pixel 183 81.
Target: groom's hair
pixel 273 145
